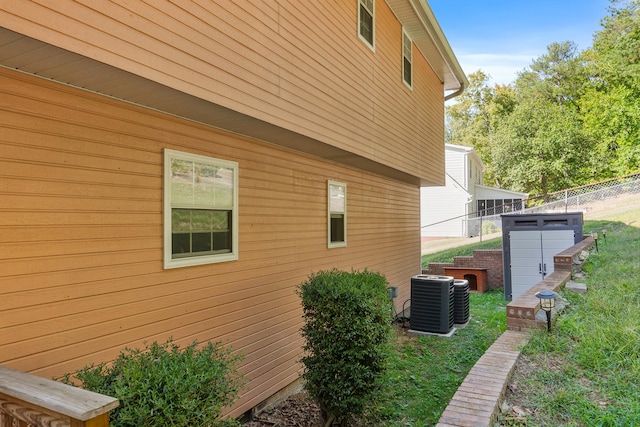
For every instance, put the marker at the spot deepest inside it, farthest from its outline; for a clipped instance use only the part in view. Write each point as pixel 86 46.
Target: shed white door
pixel 532 256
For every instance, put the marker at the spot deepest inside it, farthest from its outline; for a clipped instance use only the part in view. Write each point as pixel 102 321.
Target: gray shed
pixel 529 243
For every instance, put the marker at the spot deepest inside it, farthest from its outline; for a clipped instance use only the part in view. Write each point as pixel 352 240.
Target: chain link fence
pixel 593 200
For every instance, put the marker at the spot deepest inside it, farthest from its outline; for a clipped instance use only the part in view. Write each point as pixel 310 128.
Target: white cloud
pixel 503 68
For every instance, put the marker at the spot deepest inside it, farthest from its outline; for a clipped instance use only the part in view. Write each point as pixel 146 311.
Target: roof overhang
pixel 420 23
pixel 505 194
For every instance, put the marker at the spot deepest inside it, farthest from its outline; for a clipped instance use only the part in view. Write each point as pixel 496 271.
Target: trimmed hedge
pixel 348 318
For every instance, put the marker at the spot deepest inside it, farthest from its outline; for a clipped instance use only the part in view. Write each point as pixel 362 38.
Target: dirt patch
pixel 297 411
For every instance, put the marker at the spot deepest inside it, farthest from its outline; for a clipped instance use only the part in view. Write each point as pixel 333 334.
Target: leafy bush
pixel 489 227
pixel 348 323
pixel 162 385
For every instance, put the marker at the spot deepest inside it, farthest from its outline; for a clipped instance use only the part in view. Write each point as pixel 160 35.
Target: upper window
pixel 407 75
pixel 337 214
pixel 200 209
pixel 366 27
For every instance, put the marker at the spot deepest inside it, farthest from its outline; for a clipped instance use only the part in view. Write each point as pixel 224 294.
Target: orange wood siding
pixel 296 64
pixel 81 273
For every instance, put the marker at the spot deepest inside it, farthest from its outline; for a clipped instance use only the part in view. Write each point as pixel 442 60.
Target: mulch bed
pixel 297 411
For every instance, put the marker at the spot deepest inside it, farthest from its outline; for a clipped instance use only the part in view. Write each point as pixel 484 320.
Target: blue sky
pixel 502 37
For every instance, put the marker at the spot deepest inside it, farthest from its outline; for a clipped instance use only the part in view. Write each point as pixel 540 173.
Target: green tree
pixel 617 45
pixel 557 76
pixel 540 148
pixel 611 104
pixel 612 118
pixel 471 121
pixel 569 118
pixel 468 118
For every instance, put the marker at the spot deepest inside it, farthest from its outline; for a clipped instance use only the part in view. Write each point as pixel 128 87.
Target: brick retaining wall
pixel 477 400
pixel 491 259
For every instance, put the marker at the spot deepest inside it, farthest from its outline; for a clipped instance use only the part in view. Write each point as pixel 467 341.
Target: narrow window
pixel 407 75
pixel 337 220
pixel 200 209
pixel 366 27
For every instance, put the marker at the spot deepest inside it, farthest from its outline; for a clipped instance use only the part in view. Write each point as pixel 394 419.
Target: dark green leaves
pixel 162 385
pixel 348 322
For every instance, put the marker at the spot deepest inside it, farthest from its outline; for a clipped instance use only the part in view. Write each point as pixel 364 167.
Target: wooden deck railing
pixel 28 400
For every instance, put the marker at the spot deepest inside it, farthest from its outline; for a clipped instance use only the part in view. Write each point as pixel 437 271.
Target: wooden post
pixel 99 421
pixel 31 400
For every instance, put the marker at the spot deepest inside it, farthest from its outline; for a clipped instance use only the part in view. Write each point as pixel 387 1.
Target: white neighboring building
pixel 444 210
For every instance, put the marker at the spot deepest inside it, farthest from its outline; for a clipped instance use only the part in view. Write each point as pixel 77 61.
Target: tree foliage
pixel 539 148
pixel 611 104
pixel 570 118
pixel 617 45
pixel 472 120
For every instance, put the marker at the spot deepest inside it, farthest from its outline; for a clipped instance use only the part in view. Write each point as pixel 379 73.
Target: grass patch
pixel 426 371
pixel 466 250
pixel 587 371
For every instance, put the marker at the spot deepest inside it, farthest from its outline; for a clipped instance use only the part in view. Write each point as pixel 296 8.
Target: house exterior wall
pixel 297 65
pixel 81 273
pixel 475 177
pixel 456 162
pixel 453 208
pixel 443 208
pixel 93 92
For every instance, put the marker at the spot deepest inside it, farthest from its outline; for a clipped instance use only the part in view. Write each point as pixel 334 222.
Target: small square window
pixel 407 74
pixel 366 22
pixel 337 214
pixel 200 209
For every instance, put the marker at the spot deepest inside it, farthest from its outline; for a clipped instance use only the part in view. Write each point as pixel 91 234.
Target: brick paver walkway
pixel 478 399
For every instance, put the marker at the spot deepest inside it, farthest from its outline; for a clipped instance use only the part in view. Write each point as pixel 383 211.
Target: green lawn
pixel 425 371
pixel 466 250
pixel 586 372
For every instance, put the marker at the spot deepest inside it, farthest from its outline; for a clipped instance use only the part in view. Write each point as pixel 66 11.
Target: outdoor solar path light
pixel 594 234
pixel 547 302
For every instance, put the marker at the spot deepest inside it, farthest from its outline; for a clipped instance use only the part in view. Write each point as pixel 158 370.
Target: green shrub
pixel 162 385
pixel 347 329
pixel 489 227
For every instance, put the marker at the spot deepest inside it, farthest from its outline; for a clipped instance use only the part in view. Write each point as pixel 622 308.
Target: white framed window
pixel 200 209
pixel 366 22
pixel 407 71
pixel 337 214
